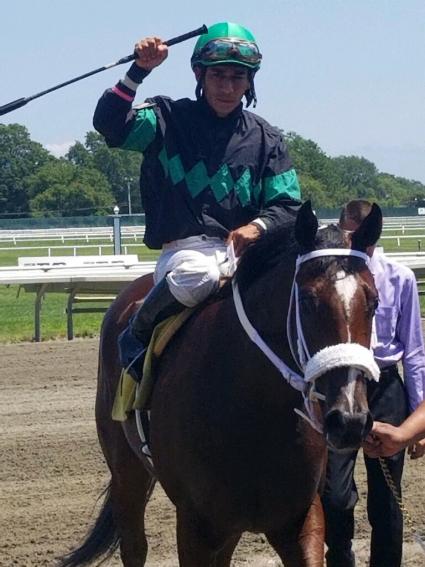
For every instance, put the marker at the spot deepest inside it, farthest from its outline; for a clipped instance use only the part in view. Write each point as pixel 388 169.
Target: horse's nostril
pixel 334 420
pixel 345 430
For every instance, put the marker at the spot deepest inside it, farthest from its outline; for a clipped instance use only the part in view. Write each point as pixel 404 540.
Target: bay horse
pixel 248 395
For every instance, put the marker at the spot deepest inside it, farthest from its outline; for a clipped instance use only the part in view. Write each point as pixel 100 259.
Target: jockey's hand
pixel 417 450
pixel 244 236
pixel 384 440
pixel 150 52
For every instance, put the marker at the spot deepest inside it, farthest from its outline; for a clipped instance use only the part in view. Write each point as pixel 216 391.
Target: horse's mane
pixel 265 253
pixel 271 249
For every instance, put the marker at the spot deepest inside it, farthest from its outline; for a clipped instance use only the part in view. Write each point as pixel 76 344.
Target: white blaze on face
pixel 349 389
pixel 346 287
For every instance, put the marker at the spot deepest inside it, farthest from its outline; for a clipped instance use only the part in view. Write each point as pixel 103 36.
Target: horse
pixel 248 396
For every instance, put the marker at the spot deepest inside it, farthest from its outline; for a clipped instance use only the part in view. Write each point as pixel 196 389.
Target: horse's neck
pixel 267 300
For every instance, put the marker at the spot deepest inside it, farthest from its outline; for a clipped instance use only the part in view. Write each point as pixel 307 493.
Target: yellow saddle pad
pixel 130 395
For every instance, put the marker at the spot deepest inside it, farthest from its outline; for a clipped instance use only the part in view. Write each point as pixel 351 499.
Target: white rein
pixel 311 367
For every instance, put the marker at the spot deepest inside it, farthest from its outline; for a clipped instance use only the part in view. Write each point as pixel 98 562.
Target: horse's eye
pixel 372 305
pixel 307 300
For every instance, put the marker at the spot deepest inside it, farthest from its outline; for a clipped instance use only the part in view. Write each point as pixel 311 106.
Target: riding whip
pixel 15 104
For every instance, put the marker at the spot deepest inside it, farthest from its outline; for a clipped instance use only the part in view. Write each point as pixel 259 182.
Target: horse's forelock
pixel 330 236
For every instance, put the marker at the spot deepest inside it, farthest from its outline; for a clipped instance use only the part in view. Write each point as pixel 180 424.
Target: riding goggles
pixel 230 51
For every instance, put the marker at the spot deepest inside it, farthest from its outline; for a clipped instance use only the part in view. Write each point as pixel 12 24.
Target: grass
pixel 17 308
pixel 406 245
pixel 17 316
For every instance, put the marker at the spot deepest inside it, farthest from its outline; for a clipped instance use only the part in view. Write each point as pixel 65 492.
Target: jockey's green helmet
pixel 226 43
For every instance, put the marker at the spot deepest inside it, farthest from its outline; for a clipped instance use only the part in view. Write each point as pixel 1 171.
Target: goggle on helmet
pixel 227 42
pixel 228 50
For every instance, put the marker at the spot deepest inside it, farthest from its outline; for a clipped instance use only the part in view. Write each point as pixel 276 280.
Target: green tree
pixel 389 192
pixel 314 190
pixel 120 168
pixel 319 178
pixel 358 175
pixel 309 159
pixel 64 189
pixel 395 191
pixel 331 182
pixel 79 155
pixel 20 157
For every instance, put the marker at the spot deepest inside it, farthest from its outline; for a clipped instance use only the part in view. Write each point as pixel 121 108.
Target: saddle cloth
pixel 129 396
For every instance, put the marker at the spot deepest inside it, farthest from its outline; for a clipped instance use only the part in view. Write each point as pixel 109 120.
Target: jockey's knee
pixel 193 281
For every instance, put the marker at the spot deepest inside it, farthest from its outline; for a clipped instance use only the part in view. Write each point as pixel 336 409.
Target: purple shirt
pixel 398 324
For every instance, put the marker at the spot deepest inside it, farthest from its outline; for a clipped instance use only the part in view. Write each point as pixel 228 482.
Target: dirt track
pixel 52 470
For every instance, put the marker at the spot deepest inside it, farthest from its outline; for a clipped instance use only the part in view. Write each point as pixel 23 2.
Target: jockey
pixel 213 174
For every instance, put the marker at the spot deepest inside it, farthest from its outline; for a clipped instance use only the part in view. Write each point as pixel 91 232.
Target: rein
pixel 311 367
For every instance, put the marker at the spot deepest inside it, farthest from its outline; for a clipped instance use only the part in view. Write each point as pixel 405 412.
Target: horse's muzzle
pixel 346 431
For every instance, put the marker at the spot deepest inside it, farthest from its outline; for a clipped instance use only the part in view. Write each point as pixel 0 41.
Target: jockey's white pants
pixel 193 267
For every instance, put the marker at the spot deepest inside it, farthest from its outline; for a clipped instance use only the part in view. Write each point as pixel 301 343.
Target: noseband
pixel 341 355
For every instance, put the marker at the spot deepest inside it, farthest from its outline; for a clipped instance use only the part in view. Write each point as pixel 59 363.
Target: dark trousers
pixel 387 402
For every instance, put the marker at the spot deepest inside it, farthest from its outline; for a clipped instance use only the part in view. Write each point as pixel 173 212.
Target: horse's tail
pixel 101 541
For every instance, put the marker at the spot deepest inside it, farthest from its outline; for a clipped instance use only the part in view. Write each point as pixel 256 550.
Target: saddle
pixel 132 395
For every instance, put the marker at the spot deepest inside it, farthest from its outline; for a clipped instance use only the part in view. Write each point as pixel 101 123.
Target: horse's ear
pixel 306 226
pixel 369 231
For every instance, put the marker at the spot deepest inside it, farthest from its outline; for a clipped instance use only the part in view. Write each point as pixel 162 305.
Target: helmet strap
pixel 250 94
pixel 198 90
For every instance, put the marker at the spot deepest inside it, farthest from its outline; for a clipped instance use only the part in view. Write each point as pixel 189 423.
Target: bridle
pixel 341 355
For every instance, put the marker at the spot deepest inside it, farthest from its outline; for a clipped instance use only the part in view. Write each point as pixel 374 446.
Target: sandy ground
pixel 52 470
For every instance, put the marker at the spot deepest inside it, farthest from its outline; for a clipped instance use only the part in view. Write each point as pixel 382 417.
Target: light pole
pixel 117 230
pixel 129 197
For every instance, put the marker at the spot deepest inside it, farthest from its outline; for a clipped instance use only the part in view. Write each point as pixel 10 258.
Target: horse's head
pixel 335 301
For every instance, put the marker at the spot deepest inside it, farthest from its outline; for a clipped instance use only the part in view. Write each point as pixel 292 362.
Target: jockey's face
pixel 224 87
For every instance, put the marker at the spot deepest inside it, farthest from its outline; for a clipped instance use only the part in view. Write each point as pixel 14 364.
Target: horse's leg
pixel 198 545
pixel 304 547
pixel 130 491
pixel 131 487
pixel 224 556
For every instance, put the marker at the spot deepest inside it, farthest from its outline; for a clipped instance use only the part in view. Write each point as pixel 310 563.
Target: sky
pixel 347 74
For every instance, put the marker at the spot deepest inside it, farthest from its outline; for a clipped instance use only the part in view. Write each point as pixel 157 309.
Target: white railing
pixel 64 234
pixel 396 225
pixel 101 248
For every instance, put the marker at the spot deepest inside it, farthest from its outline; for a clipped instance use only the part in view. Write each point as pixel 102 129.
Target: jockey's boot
pixel 159 304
